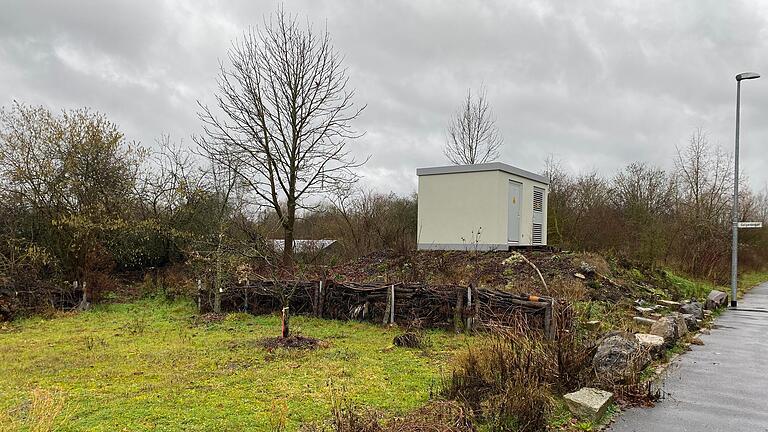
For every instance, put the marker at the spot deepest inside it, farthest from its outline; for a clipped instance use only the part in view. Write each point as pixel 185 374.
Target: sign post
pixel 750 224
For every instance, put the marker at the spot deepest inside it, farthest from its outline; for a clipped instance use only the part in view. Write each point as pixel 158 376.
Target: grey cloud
pixel 599 84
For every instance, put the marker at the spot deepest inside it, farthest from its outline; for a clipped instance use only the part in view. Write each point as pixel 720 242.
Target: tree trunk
pixel 288 247
pixel 290 219
pixel 286 330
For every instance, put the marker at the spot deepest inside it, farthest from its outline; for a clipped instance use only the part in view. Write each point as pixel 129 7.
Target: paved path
pixel 720 386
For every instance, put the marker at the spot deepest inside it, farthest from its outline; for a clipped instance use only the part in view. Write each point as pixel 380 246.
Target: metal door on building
pixel 515 199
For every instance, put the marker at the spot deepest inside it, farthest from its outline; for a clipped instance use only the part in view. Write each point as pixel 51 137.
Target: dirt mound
pixel 568 275
pixel 208 318
pixel 291 342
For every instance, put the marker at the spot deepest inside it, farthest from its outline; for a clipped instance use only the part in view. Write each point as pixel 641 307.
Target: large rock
pixel 691 322
pixel 654 344
pixel 682 326
pixel 694 308
pixel 587 269
pixel 716 299
pixel 619 356
pixel 644 321
pixel 671 328
pixel 588 403
pixel 666 328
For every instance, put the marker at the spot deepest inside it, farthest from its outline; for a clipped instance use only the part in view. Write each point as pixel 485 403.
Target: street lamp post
pixel 735 211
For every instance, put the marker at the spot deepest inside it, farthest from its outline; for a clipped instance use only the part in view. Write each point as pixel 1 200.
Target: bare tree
pixel 705 175
pixel 472 133
pixel 286 117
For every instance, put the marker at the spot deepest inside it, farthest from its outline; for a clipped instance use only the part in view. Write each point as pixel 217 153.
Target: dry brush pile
pixel 413 303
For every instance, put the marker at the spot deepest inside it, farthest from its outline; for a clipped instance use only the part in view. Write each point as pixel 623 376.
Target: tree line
pixel 678 218
pixel 81 202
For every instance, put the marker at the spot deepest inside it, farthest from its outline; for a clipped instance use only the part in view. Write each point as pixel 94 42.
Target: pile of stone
pixel 621 356
pixel 692 312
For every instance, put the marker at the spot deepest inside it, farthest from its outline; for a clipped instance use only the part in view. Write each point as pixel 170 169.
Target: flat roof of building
pixel 493 166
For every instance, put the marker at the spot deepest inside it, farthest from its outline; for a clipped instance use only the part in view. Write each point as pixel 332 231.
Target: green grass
pixel 146 366
pixel 689 288
pixel 750 280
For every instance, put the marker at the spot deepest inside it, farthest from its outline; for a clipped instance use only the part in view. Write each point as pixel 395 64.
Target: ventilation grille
pixel 537 234
pixel 538 200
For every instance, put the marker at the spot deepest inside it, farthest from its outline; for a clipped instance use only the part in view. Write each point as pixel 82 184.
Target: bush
pixel 509 379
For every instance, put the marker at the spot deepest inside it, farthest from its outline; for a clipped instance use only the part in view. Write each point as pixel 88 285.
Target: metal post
pixel 735 211
pixel 735 214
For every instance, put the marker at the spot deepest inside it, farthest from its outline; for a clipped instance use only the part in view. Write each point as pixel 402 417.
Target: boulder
pixel 619 355
pixel 587 269
pixel 694 308
pixel 654 344
pixel 716 299
pixel 681 324
pixel 666 328
pixel 588 403
pixel 671 328
pixel 691 322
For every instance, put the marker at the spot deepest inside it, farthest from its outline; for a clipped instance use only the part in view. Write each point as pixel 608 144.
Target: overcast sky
pixel 596 84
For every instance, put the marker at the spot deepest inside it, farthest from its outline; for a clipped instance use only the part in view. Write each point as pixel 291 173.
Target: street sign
pixel 750 224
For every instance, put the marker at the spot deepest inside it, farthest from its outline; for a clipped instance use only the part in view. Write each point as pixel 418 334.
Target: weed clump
pixel 443 416
pixel 412 339
pixel 509 380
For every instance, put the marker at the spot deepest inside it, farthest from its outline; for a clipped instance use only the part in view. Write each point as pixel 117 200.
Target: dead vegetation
pixel 567 275
pixel 291 342
pixel 435 416
pixel 509 379
pixel 412 339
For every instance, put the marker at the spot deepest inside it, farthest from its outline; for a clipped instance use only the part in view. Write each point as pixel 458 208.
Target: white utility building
pixel 491 206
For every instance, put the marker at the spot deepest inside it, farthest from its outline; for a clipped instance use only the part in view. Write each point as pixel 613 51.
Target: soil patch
pixel 291 342
pixel 208 318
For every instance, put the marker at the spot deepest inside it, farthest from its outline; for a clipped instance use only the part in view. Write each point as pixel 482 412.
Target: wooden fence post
pixel 392 308
pixel 388 310
pixel 319 311
pixel 246 288
pixel 476 316
pixel 217 298
pixel 469 308
pixel 199 295
pixel 457 312
pixel 549 317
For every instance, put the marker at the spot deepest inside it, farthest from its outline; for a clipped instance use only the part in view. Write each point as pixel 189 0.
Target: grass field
pixel 700 289
pixel 149 366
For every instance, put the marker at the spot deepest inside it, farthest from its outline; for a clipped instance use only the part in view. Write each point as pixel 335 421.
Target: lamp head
pixel 746 76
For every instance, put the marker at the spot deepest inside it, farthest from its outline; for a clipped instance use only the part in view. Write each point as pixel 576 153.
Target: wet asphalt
pixel 720 386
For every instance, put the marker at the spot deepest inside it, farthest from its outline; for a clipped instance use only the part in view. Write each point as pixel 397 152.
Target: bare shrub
pixel 442 416
pixel 413 339
pixel 435 416
pixel 509 379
